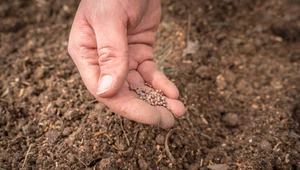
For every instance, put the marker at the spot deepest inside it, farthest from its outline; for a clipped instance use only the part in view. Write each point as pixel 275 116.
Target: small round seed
pixel 151 96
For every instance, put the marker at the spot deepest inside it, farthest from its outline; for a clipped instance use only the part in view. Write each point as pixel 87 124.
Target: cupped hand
pixel 110 43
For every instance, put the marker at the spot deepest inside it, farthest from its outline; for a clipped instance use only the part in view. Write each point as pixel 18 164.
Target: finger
pixel 82 49
pixel 140 53
pixel 126 104
pixel 129 106
pixel 167 118
pixel 135 79
pixel 111 37
pixel 157 79
pixel 176 107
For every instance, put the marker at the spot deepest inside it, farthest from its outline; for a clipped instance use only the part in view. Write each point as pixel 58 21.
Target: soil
pixel 236 64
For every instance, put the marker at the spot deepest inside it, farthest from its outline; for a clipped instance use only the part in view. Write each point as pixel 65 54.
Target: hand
pixel 110 43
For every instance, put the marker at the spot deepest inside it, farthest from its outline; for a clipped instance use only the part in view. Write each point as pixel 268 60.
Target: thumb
pixel 112 48
pixel 113 65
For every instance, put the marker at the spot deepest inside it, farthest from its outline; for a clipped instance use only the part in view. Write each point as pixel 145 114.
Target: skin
pixel 115 37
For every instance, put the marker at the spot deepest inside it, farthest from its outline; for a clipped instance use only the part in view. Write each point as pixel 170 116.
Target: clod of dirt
pixel 143 164
pixel 142 136
pixel 39 73
pixel 221 83
pixel 128 152
pixel 296 114
pixel 71 114
pixel 160 139
pixel 105 163
pixel 249 48
pixel 265 146
pixel 229 76
pixel 119 144
pixel 151 96
pixel 192 47
pixel 295 56
pixel 297 146
pixel 67 131
pixel 52 136
pixel 287 30
pixel 218 167
pixel 194 167
pixel 231 119
pixel 203 72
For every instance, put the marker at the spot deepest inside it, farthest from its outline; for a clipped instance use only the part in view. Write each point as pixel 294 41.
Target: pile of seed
pixel 151 96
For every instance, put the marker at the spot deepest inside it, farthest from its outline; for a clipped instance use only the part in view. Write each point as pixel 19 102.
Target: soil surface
pixel 236 64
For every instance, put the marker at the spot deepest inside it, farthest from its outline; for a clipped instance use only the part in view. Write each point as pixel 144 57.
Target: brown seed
pixel 151 96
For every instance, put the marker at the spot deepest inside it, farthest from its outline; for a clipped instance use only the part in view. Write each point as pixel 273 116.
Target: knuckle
pixel 106 55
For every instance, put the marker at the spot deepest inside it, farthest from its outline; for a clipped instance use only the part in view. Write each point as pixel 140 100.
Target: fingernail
pixel 104 84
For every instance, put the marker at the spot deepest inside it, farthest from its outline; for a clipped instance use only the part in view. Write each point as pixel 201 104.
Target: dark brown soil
pixel 236 64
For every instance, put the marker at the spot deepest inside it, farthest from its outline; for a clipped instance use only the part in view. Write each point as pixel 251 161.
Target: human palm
pixel 110 43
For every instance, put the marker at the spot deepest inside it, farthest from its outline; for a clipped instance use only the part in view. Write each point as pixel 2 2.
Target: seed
pixel 151 96
pixel 149 85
